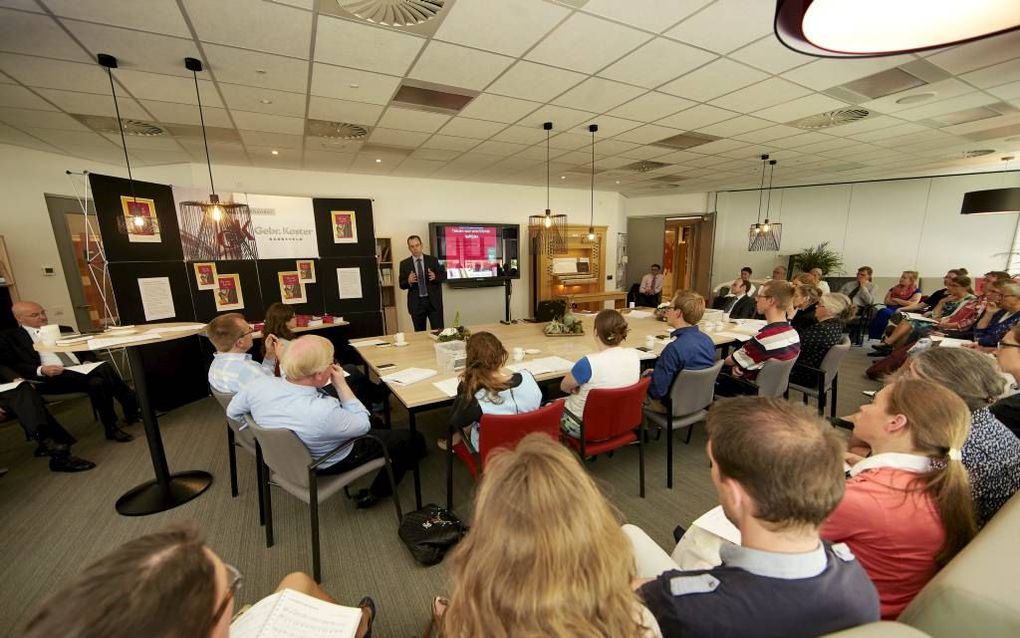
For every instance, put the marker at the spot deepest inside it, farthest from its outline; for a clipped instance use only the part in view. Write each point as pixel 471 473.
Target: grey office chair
pixel 243 438
pixel 826 377
pixel 774 377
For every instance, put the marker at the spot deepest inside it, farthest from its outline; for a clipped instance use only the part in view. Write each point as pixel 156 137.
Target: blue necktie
pixel 422 290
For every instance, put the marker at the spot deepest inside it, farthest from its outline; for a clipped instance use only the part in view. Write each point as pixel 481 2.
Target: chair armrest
pixel 314 465
pixel 818 373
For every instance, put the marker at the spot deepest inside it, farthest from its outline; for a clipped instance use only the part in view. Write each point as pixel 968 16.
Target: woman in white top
pixel 610 366
pixel 819 281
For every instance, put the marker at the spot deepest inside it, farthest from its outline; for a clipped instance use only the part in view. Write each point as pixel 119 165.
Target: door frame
pixel 59 206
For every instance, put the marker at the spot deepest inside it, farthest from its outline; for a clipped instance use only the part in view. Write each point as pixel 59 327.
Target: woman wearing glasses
pixel 1007 410
pixel 164 584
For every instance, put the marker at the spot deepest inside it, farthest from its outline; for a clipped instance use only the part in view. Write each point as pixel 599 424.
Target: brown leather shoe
pixel 118 435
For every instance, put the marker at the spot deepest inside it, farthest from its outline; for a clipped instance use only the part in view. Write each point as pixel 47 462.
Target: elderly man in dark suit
pixel 47 370
pixel 422 277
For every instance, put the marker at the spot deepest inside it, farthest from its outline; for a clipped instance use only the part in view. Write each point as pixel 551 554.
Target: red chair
pixel 503 431
pixel 612 419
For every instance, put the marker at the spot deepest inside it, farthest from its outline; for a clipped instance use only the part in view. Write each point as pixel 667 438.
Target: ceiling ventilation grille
pixel 394 13
pixel 643 166
pixel 686 140
pixel 138 128
pixel 981 152
pixel 336 130
pixel 831 118
pixel 435 98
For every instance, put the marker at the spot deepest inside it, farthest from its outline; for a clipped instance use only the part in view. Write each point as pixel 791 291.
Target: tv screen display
pixel 476 252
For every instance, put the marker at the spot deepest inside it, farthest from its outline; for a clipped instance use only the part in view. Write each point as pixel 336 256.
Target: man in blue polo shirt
pixel 691 349
pixel 778 472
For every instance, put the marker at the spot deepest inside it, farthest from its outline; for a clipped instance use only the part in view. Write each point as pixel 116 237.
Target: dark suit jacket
pixel 16 351
pixel 435 288
pixel 744 308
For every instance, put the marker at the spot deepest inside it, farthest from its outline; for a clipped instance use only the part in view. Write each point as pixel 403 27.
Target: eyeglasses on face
pixel 234 580
pixel 1003 344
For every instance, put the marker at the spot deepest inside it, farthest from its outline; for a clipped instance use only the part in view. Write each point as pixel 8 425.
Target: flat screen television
pixel 476 253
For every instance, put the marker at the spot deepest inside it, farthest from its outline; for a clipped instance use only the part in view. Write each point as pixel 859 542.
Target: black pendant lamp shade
pixel 214 229
pixel 991 202
pixel 765 236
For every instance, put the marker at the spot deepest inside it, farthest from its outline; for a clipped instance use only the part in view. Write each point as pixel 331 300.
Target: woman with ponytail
pixel 907 509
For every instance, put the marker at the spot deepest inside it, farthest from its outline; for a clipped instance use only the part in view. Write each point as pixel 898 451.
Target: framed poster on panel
pixel 243 275
pixel 137 223
pixel 344 227
pixel 281 282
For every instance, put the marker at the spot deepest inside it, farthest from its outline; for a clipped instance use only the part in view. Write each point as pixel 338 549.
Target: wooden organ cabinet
pixel 577 274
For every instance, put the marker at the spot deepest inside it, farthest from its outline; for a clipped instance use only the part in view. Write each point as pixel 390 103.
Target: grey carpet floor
pixel 53 525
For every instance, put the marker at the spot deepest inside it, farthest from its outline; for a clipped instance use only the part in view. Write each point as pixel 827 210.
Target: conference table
pixel 166 491
pixel 386 359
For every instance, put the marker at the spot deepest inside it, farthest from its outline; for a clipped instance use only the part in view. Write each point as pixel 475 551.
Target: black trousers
pixel 28 407
pixel 427 310
pixel 727 385
pixel 103 385
pixel 404 450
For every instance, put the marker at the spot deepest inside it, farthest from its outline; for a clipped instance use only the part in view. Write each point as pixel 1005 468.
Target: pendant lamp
pixel 872 28
pixel 137 218
pixel 993 201
pixel 763 236
pixel 553 228
pixel 591 220
pixel 213 229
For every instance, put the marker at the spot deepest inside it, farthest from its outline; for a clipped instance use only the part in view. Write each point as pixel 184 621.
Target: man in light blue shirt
pixel 323 422
pixel 232 367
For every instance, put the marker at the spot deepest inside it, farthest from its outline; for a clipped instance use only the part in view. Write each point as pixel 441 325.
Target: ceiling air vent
pixel 669 179
pixel 980 152
pixel 393 13
pixel 435 98
pixel 891 81
pixel 335 130
pixel 643 166
pixel 831 118
pixel 105 124
pixel 686 140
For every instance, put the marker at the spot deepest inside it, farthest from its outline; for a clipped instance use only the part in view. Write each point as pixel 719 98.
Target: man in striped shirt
pixel 776 340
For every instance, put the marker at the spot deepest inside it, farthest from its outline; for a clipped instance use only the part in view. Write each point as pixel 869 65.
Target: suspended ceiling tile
pixel 253 68
pixel 598 95
pixel 567 141
pixel 272 28
pixel 561 117
pixel 55 74
pixel 173 113
pixel 827 73
pixel 19 97
pixel 769 55
pixel 37 34
pixel 586 44
pixel 362 46
pixel 92 104
pixel 1009 91
pixel 762 95
pixel 443 63
pixel 79 139
pixel 768 134
pixel 659 61
pixel 712 80
pixel 608 126
pixel 328 145
pixel 975 55
pixel 393 137
pixel 651 106
pixel 434 154
pixel 259 100
pixel 801 107
pixel 272 140
pixel 995 75
pixel 503 149
pixel 497 108
pixel 323 108
pixel 735 126
pixel 959 103
pixel 168 88
pixel 502 27
pixel 647 134
pixel 353 85
pixel 137 143
pixel 520 135
pixel 652 15
pixel 39 119
pixel 530 81
pixel 412 120
pixel 450 143
pixel 269 123
pixel 319 160
pixel 697 117
pixel 703 28
pixel 136 50
pixel 158 16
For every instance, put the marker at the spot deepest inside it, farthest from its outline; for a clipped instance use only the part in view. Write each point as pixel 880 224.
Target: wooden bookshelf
pixel 578 271
pixel 387 282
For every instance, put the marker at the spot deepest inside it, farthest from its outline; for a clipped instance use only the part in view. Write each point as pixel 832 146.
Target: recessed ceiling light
pixel 981 152
pixel 378 161
pixel 260 71
pixel 265 101
pixel 916 98
pixel 563 177
pixel 354 85
pixel 617 181
pixel 275 152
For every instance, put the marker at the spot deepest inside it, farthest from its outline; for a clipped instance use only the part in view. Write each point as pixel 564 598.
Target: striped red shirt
pixel 775 341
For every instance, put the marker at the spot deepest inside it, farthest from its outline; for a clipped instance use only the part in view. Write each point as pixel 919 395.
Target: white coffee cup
pixel 49 334
pixel 650 342
pixel 518 354
pixel 399 337
pixel 630 304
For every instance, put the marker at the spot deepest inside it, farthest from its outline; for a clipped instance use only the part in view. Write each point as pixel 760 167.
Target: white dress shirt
pixel 651 284
pixel 48 358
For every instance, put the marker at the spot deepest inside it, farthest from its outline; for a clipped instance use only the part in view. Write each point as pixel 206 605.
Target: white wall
pixel 663 205
pixel 402 206
pixel 890 226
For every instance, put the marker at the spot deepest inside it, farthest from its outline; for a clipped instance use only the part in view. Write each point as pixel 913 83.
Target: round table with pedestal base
pixel 167 490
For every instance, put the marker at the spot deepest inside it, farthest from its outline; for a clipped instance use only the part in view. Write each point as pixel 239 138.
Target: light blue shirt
pixel 231 371
pixel 319 420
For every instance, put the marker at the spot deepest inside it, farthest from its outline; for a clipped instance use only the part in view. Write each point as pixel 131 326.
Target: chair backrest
pixel 505 430
pixel 774 377
pixel 244 435
pixel 693 390
pixel 283 452
pixel 833 359
pixel 609 412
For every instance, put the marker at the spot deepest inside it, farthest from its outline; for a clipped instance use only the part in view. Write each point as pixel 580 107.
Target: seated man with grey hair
pixel 298 403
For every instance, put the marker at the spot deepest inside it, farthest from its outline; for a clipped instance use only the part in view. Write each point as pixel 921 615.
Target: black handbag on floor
pixel 430 532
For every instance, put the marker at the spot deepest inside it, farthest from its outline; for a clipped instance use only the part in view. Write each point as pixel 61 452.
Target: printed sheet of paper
pixel 157 300
pixel 348 281
pixel 409 376
pixel 84 368
pixel 4 387
pixel 291 614
pixel 448 386
pixel 715 521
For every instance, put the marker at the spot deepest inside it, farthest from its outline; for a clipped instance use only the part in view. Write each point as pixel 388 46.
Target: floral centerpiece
pixel 567 326
pixel 455 333
pixel 660 311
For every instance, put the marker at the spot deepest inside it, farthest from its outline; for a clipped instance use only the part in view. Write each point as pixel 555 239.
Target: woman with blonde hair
pixel 958 310
pixel 545 555
pixel 487 388
pixel 907 508
pixel 805 304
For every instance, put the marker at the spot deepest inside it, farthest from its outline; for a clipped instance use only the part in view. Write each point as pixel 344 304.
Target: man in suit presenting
pixel 47 370
pixel 422 277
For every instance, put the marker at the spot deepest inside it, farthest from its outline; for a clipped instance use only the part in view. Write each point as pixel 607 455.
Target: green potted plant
pixel 455 333
pixel 820 256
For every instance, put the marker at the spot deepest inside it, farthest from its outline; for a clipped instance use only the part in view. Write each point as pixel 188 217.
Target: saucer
pixel 531 351
pixel 401 345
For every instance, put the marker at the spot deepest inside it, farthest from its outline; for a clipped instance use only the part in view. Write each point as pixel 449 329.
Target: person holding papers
pixel 232 367
pixel 170 583
pixel 486 388
pixel 296 402
pixel 955 311
pixel 611 366
pixel 690 349
pixel 49 370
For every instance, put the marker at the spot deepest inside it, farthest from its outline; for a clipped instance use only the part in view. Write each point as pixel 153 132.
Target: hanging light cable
pixel 110 63
pixel 591 219
pixel 552 227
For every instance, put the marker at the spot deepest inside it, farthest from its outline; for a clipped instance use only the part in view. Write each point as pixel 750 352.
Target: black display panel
pixel 247 272
pixel 139 224
pixel 124 277
pixel 344 227
pixel 476 252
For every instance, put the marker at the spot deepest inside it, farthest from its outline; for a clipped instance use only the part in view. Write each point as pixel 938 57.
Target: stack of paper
pixel 185 328
pixel 364 343
pixel 448 386
pixel 916 316
pixel 947 342
pixel 73 340
pixel 291 613
pixel 545 365
pixel 110 342
pixel 757 324
pixel 409 376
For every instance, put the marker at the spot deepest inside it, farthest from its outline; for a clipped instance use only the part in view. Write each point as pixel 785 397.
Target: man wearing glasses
pixel 691 349
pixel 233 368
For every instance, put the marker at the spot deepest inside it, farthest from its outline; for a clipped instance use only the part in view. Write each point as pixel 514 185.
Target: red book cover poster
pixel 205 275
pixel 140 219
pixel 345 227
pixel 306 270
pixel 291 288
pixel 228 293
